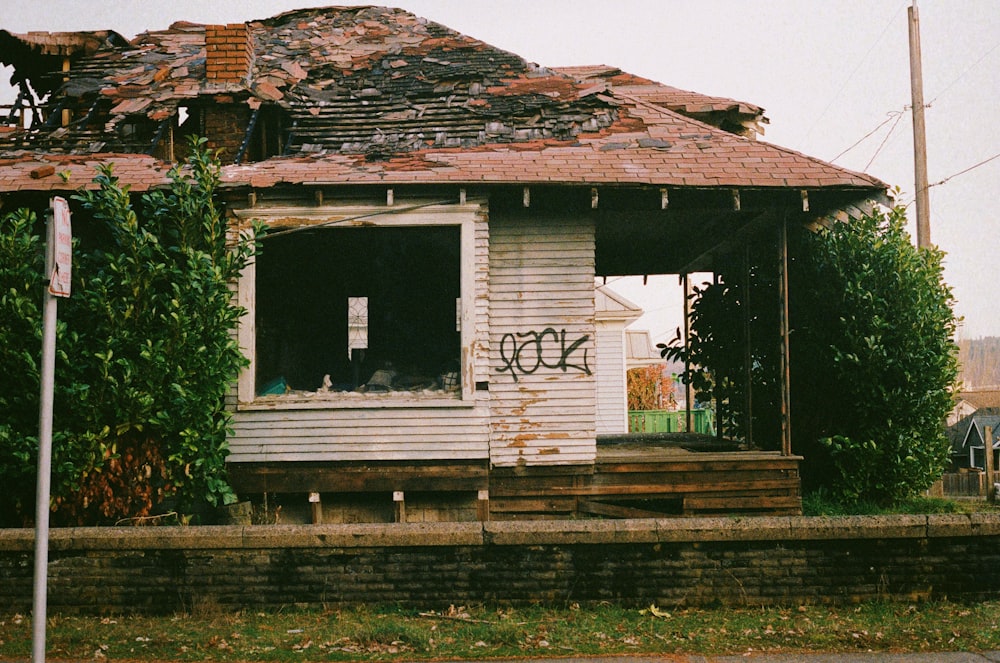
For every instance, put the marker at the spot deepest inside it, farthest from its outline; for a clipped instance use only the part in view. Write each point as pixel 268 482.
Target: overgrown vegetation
pixel 873 359
pixel 209 633
pixel 145 352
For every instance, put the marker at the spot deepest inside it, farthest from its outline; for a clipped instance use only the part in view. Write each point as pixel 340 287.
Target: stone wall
pixel 675 562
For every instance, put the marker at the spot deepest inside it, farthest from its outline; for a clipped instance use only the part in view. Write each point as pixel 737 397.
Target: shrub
pixel 873 361
pixel 140 412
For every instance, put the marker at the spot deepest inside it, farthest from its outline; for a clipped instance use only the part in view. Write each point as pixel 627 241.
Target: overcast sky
pixel 827 73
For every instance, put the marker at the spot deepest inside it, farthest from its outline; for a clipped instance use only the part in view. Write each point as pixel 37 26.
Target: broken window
pixel 348 313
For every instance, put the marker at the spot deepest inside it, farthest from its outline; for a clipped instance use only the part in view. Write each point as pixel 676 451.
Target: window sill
pixel 356 401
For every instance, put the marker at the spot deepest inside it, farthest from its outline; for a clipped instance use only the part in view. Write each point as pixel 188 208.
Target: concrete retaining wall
pixel 670 562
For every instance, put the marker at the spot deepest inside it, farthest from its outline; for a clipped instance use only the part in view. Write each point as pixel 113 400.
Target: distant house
pixel 969 401
pixel 968 439
pixel 612 314
pixel 423 324
pixel 639 349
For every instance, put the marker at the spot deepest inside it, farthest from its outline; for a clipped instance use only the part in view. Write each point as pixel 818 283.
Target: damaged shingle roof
pixel 714 110
pixel 373 94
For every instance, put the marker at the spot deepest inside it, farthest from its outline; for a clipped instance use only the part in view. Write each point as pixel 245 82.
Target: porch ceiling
pixel 699 225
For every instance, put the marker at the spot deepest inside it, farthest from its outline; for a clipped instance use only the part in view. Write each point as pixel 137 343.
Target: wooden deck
pixel 643 479
pixel 633 477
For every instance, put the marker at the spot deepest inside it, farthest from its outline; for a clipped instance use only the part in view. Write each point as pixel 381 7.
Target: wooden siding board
pixel 542 278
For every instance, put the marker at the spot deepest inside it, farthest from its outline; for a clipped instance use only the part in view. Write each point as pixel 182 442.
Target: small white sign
pixel 357 324
pixel 61 239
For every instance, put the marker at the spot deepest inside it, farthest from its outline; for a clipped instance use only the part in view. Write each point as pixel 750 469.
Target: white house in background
pixel 612 314
pixel 639 349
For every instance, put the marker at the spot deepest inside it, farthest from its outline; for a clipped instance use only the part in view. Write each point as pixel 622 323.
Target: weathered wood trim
pixel 358 477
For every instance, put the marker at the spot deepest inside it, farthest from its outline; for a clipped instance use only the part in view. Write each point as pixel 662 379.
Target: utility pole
pixel 923 197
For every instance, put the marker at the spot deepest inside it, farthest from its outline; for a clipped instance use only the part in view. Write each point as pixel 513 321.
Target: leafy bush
pixel 873 361
pixel 140 413
pixel 876 361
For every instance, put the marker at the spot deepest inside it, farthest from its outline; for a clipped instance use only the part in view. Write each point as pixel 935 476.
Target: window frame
pixel 360 216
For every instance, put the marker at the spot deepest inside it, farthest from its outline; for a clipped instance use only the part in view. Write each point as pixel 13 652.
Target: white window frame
pixel 359 216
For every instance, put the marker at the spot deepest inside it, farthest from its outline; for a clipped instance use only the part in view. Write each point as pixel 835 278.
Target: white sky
pixel 827 73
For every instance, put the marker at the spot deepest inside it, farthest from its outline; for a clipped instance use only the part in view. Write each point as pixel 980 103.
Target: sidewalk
pixel 753 657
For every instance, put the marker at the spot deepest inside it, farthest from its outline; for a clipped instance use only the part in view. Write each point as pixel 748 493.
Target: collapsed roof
pixel 374 95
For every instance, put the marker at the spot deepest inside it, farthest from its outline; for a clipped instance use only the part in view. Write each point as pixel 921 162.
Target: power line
pixel 954 175
pixel 963 172
pixel 884 141
pixel 891 115
pixel 964 72
pixel 855 70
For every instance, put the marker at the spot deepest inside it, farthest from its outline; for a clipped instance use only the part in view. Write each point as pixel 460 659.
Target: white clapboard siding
pixel 396 430
pixel 356 434
pixel 613 313
pixel 612 394
pixel 542 302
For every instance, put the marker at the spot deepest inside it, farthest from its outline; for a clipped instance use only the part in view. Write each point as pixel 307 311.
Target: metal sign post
pixel 58 262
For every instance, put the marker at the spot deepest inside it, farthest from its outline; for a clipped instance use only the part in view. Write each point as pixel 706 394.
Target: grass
pixel 211 634
pixel 820 503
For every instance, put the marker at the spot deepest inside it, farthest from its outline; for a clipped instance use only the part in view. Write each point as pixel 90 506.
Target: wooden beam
pixel 616 511
pixel 988 461
pixel 366 477
pixel 783 331
pixel 317 508
pixel 688 387
pixel 732 239
pixel 483 506
pixel 399 506
pixel 66 113
pixel 707 486
pixel 747 352
pixel 695 503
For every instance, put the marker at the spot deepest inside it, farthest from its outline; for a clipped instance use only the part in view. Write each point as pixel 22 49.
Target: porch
pixel 654 476
pixel 634 476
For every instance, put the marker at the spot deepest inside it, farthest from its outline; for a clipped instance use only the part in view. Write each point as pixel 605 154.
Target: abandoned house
pixel 423 322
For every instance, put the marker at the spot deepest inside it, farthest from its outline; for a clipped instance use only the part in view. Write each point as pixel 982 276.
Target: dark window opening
pixel 305 282
pixel 268 135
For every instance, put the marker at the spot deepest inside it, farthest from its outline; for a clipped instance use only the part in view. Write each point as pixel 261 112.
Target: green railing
pixel 670 421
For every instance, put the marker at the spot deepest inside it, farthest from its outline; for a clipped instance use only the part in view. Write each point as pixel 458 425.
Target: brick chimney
pixel 228 53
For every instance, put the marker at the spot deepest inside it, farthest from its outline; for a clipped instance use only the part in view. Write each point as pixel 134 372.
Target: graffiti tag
pixel 526 352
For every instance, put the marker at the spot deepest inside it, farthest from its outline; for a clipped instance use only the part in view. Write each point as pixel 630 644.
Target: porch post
pixel 719 433
pixel 747 352
pixel 785 377
pixel 688 391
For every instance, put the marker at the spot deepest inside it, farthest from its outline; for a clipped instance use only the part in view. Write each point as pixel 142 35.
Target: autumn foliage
pixel 650 388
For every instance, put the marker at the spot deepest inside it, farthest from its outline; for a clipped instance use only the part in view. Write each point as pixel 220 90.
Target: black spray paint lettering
pixel 525 352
